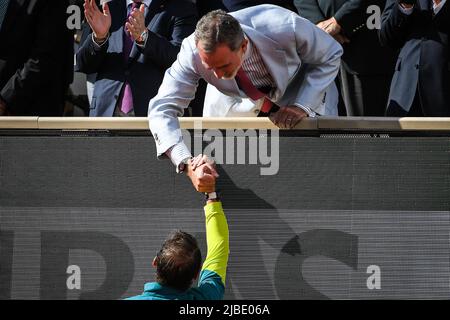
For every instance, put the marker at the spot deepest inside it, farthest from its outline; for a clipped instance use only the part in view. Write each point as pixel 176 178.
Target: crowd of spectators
pixel 114 63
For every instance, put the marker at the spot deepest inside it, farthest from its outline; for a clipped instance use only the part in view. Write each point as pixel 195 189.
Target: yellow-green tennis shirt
pixel 211 285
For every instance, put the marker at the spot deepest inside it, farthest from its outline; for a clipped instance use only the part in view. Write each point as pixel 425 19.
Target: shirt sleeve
pixel 213 274
pixel 178 153
pixel 96 45
pixel 174 95
pixel 309 111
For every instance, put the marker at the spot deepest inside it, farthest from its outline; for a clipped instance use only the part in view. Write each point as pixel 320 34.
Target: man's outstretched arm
pixel 174 95
pixel 213 273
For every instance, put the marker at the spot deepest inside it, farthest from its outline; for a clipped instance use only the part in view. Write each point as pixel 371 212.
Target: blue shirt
pixel 210 287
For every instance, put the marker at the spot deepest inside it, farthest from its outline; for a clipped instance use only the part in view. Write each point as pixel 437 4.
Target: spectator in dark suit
pixel 421 83
pixel 367 67
pixel 131 46
pixel 83 33
pixel 36 57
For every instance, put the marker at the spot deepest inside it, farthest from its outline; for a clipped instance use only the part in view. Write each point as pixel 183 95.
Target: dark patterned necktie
pixel 3 7
pixel 127 97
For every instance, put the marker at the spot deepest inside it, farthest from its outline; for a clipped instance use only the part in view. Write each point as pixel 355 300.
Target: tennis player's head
pixel 178 262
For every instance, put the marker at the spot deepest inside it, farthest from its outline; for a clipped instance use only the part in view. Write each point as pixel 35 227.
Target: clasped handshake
pixel 202 172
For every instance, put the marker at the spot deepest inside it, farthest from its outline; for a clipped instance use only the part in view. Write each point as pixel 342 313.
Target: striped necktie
pixel 3 7
pixel 246 85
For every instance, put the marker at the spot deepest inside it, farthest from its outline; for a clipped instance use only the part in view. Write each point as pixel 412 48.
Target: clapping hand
pixel 135 25
pixel 100 22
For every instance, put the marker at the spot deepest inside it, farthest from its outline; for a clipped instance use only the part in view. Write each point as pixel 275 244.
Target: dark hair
pixel 179 261
pixel 218 27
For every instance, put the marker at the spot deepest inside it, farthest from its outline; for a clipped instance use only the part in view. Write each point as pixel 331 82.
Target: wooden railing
pixel 320 123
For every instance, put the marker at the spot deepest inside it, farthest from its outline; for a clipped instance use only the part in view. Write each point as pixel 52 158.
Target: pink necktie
pixel 127 97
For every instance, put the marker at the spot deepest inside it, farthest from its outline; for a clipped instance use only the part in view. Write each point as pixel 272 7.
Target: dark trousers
pixel 419 108
pixel 364 95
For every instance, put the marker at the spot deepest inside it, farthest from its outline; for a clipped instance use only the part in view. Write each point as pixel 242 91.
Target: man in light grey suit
pixel 264 56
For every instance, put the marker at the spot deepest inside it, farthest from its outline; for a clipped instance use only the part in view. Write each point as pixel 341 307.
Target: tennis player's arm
pixel 217 239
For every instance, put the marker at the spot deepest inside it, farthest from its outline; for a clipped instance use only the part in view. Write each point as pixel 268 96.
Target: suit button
pixel 116 96
pixel 127 72
pixel 417 66
pixel 256 111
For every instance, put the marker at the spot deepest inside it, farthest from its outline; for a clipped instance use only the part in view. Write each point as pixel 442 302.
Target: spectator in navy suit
pixel 367 67
pixel 421 82
pixel 131 45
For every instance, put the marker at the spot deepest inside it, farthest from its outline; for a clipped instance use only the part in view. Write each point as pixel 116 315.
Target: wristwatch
pixel 143 37
pixel 182 166
pixel 211 196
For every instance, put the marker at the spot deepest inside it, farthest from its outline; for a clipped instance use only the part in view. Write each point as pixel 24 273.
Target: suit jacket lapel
pixel 426 5
pixel 118 9
pixel 274 59
pixel 442 16
pixel 443 10
pixel 155 7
